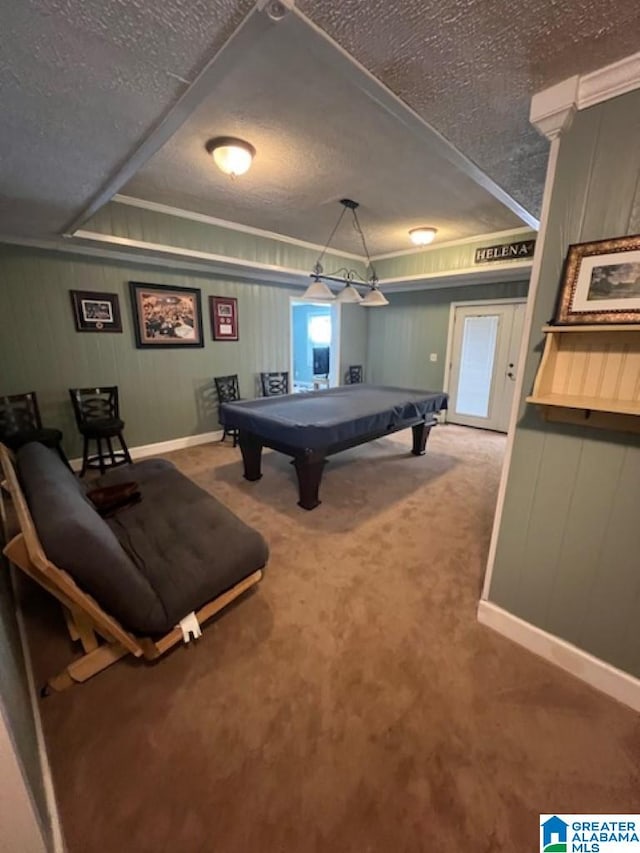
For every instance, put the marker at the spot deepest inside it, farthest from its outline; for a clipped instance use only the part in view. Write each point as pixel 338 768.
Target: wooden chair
pixel 103 639
pixel 274 384
pixel 355 374
pixel 20 422
pixel 228 391
pixel 97 413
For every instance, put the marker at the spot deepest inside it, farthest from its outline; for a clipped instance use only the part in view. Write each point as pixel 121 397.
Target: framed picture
pixel 96 312
pixel 224 318
pixel 166 316
pixel 601 283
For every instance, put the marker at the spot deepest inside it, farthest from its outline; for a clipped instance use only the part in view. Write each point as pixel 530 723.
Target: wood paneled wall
pixel 567 552
pixel 164 393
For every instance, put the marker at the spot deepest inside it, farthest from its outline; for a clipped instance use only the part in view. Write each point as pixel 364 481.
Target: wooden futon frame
pixel 102 637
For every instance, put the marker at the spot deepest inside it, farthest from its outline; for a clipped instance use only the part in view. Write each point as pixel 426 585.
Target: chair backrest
pixel 355 374
pixel 19 412
pixel 95 404
pixel 227 388
pixel 274 384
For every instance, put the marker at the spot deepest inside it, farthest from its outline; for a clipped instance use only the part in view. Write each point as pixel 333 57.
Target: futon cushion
pixel 151 563
pixel 76 539
pixel 185 543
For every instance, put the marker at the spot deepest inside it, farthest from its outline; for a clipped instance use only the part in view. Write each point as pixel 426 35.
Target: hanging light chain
pixel 357 226
pixel 318 265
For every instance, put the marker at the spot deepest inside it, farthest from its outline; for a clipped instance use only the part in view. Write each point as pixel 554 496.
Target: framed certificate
pixel 224 318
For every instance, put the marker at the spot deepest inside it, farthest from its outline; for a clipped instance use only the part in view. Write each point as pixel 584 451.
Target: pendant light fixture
pixel 318 289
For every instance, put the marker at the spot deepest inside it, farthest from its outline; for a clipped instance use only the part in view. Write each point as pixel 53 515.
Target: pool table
pixel 311 426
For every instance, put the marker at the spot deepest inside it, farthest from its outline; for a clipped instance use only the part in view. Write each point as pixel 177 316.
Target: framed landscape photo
pixel 166 316
pixel 601 283
pixel 96 312
pixel 224 318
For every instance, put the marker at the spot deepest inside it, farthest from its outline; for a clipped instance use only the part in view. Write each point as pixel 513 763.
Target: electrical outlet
pixel 433 356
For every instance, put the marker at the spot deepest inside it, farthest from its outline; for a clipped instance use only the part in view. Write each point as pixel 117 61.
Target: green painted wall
pixel 404 334
pixel 164 393
pixel 148 226
pixel 568 546
pixel 446 259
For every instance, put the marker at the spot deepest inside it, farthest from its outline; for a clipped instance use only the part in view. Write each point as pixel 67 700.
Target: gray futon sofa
pixel 152 563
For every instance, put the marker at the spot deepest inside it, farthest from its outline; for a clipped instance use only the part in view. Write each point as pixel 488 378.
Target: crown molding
pixel 462 241
pixel 552 109
pixel 123 249
pixel 609 82
pixel 507 271
pixel 169 210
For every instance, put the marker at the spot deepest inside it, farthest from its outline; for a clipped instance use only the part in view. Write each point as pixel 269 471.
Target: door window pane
pixel 479 338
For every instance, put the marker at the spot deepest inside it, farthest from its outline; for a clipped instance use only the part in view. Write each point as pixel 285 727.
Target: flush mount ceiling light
pixel 232 156
pixel 318 289
pixel 423 236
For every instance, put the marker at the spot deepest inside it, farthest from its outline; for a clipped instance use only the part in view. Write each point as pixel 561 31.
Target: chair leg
pixel 85 456
pixel 235 438
pixel 124 447
pixel 100 456
pixel 111 453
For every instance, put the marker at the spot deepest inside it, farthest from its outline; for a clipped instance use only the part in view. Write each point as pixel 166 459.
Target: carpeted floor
pixel 352 703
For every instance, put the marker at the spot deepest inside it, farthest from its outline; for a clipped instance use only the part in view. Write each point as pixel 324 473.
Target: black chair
pixel 274 384
pixel 355 374
pixel 228 391
pixel 97 414
pixel 20 422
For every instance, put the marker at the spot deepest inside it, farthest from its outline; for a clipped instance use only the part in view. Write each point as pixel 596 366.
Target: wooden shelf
pixel 588 404
pixel 590 375
pixel 600 328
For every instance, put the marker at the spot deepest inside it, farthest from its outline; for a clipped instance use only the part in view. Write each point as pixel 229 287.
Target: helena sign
pixel 505 252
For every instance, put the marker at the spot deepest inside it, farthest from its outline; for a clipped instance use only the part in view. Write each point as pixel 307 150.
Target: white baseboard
pixel 614 682
pixel 45 767
pixel 144 450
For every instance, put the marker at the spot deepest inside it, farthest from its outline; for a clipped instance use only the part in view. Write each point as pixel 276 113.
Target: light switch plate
pixel 433 356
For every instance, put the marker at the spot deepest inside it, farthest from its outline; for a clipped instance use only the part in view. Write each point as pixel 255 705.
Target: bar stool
pixel 274 384
pixel 20 423
pixel 228 391
pixel 97 413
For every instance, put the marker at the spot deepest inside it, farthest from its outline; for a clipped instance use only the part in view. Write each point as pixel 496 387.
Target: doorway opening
pixel 484 346
pixel 315 350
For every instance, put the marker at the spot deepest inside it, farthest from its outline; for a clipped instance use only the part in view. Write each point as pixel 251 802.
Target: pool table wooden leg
pixel 251 449
pixel 420 435
pixel 309 469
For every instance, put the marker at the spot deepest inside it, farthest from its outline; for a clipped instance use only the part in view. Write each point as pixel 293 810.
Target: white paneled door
pixel 484 360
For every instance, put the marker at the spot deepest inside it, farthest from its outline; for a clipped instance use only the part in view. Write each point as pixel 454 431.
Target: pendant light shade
pixel 349 294
pixel 318 290
pixel 374 299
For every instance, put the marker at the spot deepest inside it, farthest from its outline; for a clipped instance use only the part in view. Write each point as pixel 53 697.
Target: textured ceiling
pixel 318 138
pixel 83 82
pixel 470 68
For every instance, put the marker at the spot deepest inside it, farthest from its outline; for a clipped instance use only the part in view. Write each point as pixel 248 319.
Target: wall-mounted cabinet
pixel 590 375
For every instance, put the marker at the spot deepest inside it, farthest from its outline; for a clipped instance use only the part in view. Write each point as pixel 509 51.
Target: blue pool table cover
pixel 320 419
